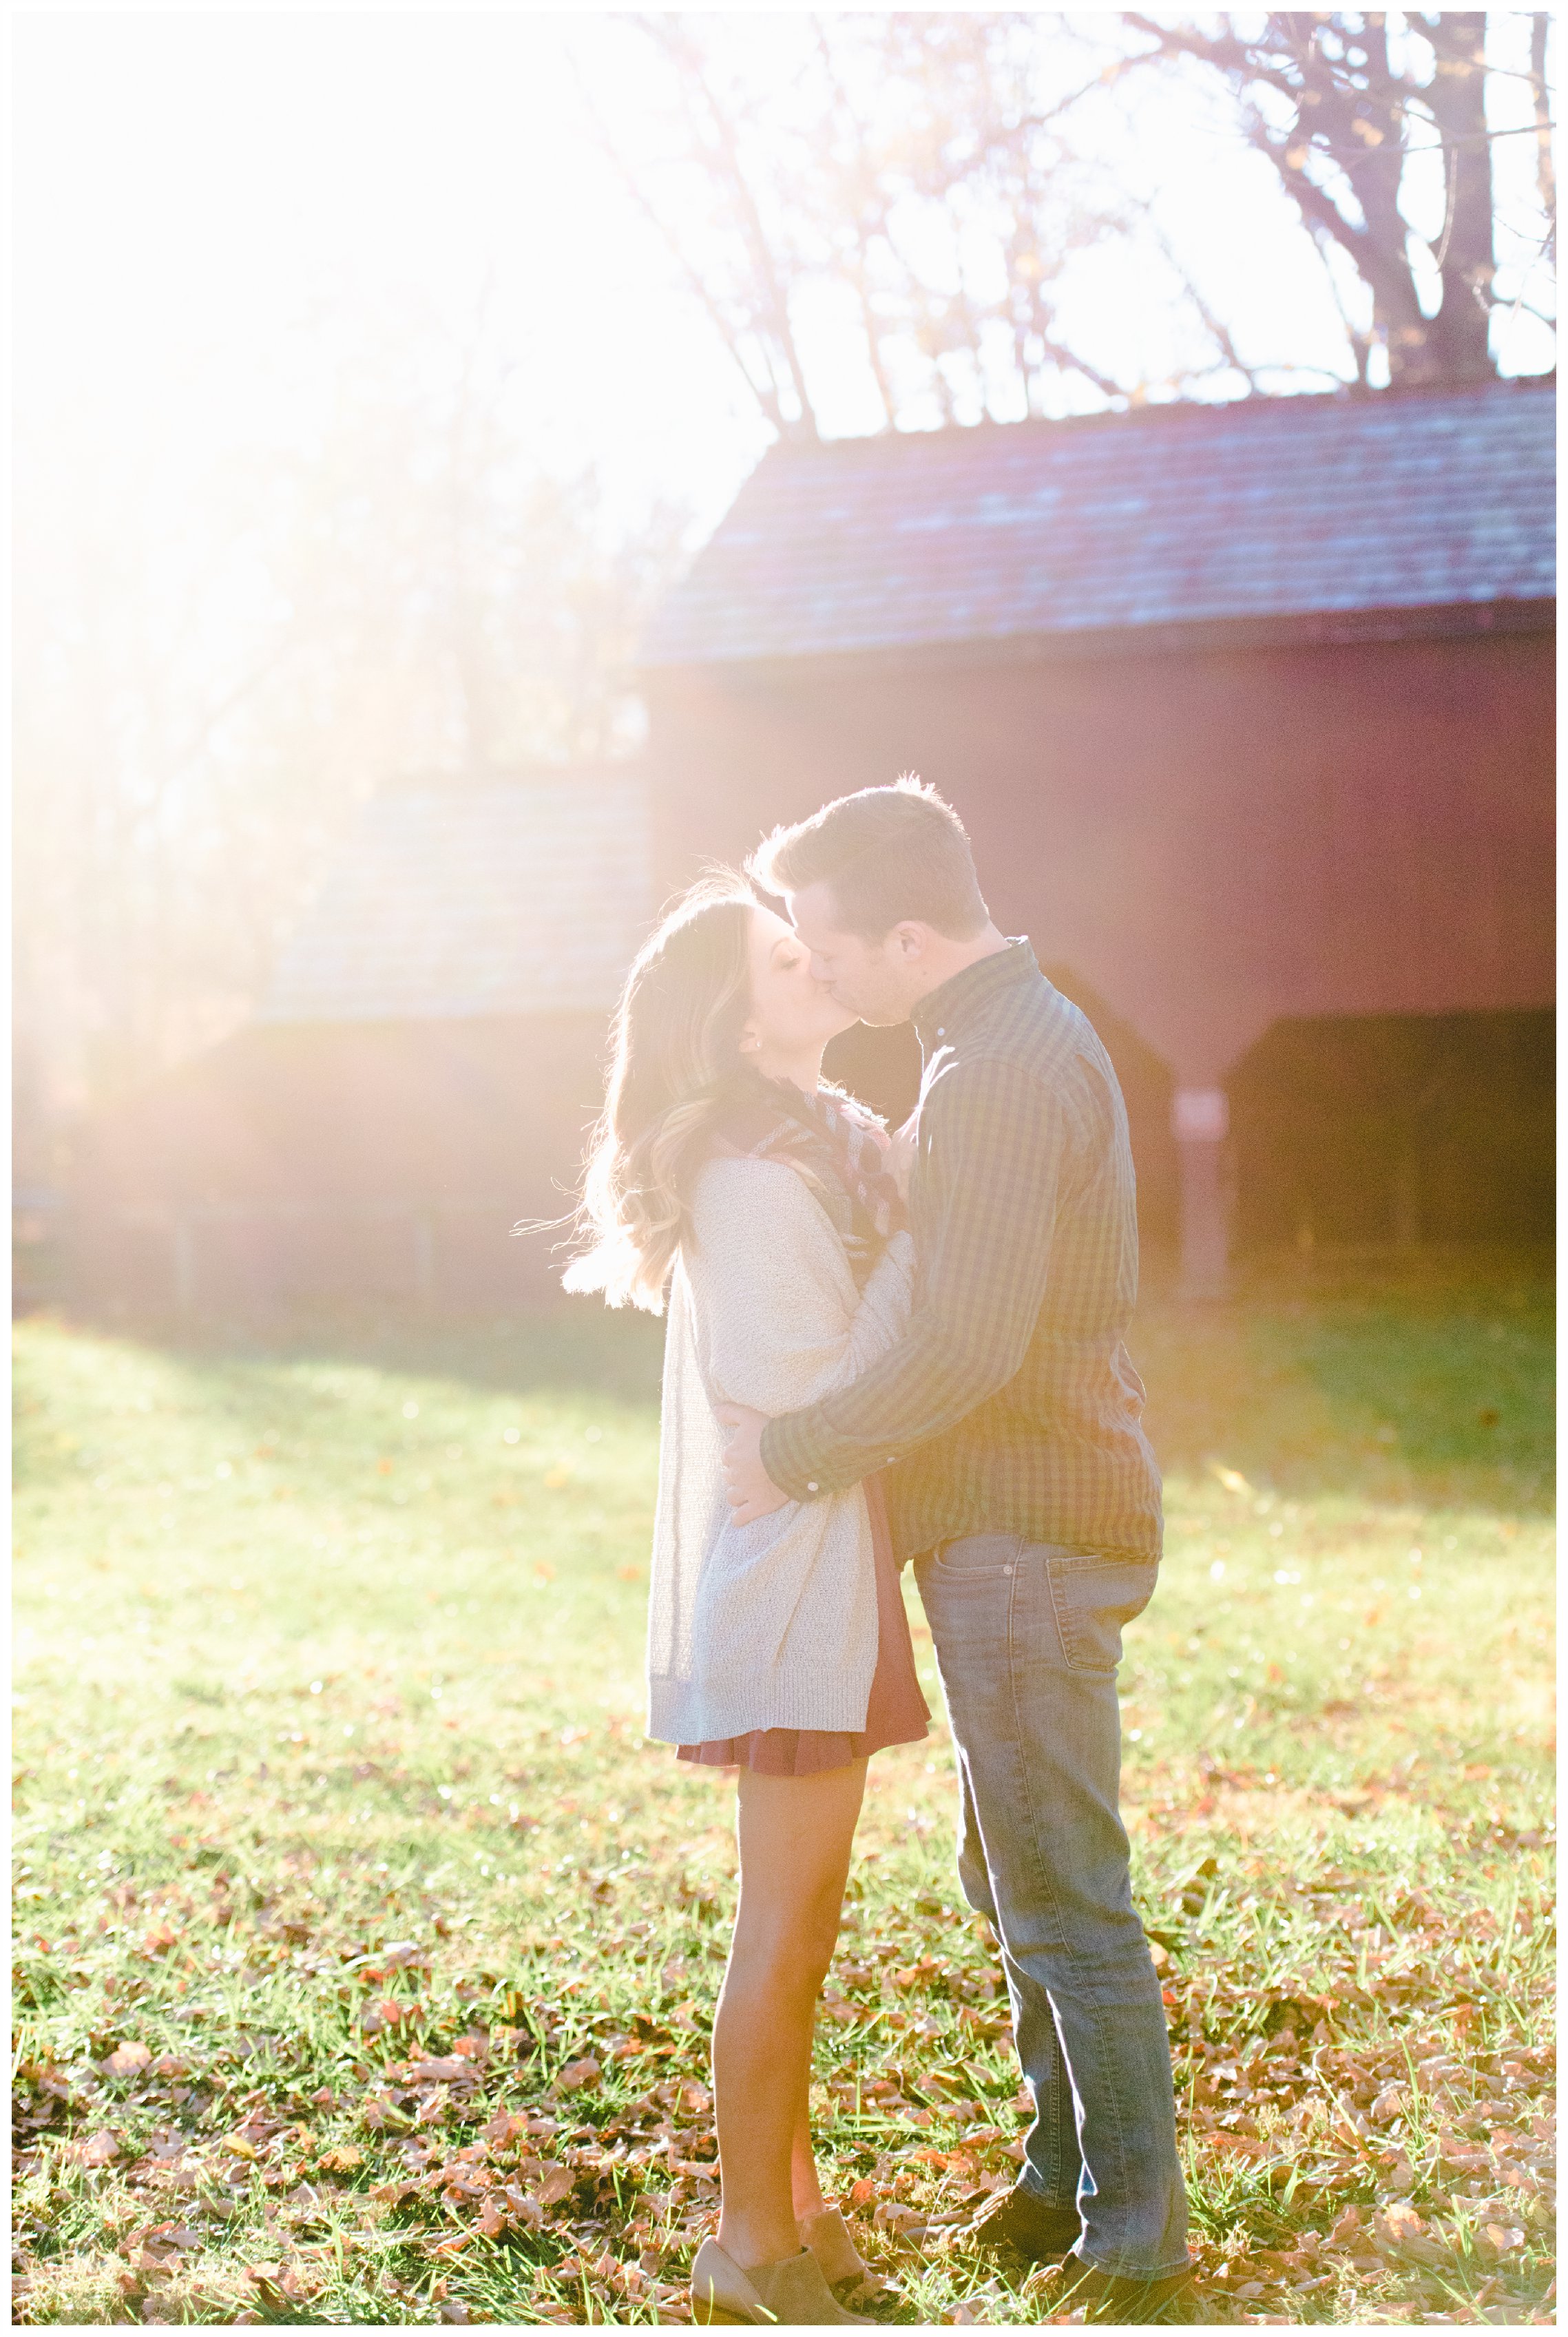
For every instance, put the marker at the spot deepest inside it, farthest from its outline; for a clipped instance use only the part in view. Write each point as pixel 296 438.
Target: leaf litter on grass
pixel 410 2023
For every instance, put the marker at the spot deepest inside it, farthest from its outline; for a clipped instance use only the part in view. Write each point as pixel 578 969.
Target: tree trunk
pixel 1458 340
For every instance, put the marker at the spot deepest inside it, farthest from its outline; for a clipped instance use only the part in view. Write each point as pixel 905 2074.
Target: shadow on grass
pixel 574 1346
pixel 1396 1379
pixel 1427 1379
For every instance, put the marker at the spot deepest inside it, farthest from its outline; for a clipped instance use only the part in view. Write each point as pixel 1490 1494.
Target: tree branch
pixel 1545 168
pixel 690 63
pixel 764 393
pixel 1218 331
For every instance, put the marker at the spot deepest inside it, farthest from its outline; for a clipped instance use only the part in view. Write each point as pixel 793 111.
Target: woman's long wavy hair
pixel 675 1071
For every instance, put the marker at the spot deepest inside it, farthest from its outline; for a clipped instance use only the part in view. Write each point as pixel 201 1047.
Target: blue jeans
pixel 1028 1637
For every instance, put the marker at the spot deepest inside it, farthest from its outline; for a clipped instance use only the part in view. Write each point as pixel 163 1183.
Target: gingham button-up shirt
pixel 1011 1406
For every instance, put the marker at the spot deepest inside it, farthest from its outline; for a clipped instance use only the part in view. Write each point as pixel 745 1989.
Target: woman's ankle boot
pixel 793 2294
pixel 844 2268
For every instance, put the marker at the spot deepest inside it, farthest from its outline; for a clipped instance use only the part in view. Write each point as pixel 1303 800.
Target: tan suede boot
pixel 789 2295
pixel 844 2268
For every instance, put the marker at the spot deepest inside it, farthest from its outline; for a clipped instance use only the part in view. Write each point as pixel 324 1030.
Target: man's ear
pixel 908 940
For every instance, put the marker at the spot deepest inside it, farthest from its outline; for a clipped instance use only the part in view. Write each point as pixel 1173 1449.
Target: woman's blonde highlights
pixel 675 1069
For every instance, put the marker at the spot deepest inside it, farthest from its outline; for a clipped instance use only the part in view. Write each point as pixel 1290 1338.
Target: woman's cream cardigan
pixel 772 1625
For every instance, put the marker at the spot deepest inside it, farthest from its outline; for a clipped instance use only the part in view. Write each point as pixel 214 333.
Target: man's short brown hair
pixel 887 853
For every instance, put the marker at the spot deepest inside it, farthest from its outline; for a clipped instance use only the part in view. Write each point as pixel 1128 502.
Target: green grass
pixel 328 1720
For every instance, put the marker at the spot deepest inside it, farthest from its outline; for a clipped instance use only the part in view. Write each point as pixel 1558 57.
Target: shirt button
pixel 812 1486
pixel 1006 1569
pixel 941 1031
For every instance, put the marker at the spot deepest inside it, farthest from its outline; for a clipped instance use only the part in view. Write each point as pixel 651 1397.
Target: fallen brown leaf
pixel 450 2070
pixel 445 2250
pixel 153 2250
pixel 510 2209
pixel 1398 2230
pixel 390 2012
pixel 266 2281
pixel 342 2160
pixel 379 2112
pixel 392 2194
pixel 550 2182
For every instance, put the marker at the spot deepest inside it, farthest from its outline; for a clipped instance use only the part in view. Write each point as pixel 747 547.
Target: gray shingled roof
pixel 512 896
pixel 1274 508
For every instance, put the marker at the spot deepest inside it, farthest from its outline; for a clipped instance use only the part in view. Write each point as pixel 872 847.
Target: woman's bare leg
pixel 805 2186
pixel 795 1835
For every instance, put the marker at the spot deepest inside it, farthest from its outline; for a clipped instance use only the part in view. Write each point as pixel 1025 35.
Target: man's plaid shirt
pixel 1011 1406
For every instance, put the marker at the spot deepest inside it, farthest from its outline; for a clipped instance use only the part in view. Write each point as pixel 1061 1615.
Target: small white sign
pixel 1199 1115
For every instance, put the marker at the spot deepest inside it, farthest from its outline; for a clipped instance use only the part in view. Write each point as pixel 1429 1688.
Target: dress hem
pixel 791 1752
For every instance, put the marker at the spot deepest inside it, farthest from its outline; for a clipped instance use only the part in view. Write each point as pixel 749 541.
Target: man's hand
pixel 751 1491
pixel 901 1153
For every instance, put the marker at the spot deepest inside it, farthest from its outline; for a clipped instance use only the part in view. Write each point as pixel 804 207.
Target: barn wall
pixel 372 1160
pixel 1211 841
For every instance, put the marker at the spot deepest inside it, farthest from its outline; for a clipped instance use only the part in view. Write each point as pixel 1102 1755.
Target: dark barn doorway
pixel 1398 1129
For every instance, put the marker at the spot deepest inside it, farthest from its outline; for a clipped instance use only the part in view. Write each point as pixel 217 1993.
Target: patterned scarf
pixel 836 1141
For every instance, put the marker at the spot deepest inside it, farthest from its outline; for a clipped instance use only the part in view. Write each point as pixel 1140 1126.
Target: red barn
pixel 1248 709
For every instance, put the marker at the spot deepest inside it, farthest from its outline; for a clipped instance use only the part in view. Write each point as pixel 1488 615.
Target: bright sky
pixel 194 189
pixel 191 187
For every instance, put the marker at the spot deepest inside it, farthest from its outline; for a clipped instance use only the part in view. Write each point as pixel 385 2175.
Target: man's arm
pixel 994 1137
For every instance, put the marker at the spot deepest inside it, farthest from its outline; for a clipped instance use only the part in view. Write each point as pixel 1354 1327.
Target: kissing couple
pixel 879 1349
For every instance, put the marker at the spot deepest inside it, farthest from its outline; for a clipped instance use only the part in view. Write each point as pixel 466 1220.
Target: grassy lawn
pixel 368 1952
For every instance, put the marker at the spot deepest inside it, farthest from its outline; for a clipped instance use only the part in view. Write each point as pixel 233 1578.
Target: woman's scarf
pixel 839 1145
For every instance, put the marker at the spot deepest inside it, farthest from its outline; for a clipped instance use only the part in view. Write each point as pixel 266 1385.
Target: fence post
pixel 184 1263
pixel 425 1256
pixel 1201 1121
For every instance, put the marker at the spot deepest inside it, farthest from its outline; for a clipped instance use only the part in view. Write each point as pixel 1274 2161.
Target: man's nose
pixel 820 970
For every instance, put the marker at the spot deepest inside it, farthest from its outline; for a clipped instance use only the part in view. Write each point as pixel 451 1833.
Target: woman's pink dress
pixel 897 1713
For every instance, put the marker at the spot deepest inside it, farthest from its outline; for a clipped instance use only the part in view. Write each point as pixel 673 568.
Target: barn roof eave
pixel 1210 636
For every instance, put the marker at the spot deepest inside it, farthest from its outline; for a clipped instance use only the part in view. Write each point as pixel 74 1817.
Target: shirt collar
pixel 946 1010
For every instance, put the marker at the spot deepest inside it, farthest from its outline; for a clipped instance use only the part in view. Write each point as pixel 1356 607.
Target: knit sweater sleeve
pixel 782 1324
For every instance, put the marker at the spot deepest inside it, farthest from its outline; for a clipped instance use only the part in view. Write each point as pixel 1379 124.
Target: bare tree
pixel 1336 104
pixel 204 694
pixel 937 183
pixel 921 177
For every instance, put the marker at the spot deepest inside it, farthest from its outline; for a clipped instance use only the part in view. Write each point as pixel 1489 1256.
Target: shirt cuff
pixel 790 1461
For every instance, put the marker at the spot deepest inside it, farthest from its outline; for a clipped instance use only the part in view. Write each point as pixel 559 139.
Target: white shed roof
pixel 524 895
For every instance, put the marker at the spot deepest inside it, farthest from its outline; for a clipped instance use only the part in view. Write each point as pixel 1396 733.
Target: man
pixel 1020 1481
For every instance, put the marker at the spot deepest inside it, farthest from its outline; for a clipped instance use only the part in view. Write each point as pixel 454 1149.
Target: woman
pixel 726 1172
